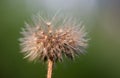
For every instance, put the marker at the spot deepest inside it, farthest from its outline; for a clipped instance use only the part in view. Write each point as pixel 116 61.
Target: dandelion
pixel 47 41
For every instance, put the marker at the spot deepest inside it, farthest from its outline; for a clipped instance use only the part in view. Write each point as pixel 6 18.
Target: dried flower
pixel 50 40
pixel 45 41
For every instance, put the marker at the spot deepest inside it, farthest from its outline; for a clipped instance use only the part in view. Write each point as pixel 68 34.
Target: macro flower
pixel 46 39
pixel 51 39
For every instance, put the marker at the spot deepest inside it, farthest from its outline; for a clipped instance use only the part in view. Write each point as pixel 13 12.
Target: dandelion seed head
pixel 43 42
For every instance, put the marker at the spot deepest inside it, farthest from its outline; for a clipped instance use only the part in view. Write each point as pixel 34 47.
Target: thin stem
pixel 50 68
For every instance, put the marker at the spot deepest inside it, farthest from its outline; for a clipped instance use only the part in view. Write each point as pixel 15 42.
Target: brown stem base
pixel 50 68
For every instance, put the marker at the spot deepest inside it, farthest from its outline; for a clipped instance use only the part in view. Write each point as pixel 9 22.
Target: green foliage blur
pixel 102 20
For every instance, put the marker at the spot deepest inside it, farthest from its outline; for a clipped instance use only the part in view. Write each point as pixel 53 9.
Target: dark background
pixel 102 20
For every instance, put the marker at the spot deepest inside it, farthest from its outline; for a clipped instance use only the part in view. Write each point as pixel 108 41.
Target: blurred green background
pixel 102 20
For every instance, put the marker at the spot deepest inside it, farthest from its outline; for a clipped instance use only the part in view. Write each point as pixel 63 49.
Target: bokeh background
pixel 102 20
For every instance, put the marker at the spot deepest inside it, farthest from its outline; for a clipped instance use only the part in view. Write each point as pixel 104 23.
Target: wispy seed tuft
pixel 46 40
